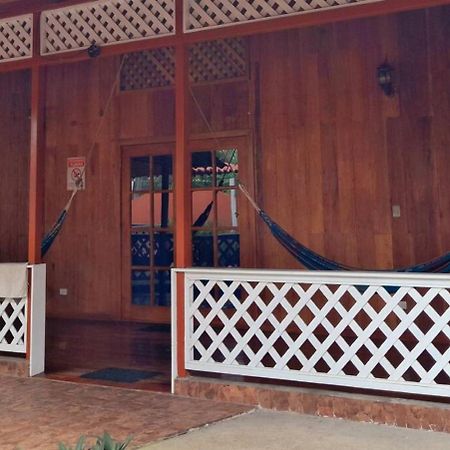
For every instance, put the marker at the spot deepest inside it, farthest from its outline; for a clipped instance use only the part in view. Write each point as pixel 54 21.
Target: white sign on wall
pixel 76 173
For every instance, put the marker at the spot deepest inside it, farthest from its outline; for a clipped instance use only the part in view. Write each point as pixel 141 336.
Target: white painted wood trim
pixel 394 307
pixel 37 326
pixel 210 14
pixel 174 345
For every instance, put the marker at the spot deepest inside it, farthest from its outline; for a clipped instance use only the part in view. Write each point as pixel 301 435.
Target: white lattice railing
pixel 16 38
pixel 104 23
pixel 367 330
pixel 13 325
pixel 203 14
pixel 15 331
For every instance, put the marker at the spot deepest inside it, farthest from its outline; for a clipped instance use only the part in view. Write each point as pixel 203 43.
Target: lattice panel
pixel 148 69
pixel 216 13
pixel 208 61
pixel 218 60
pixel 16 38
pixel 353 334
pixel 105 23
pixel 13 325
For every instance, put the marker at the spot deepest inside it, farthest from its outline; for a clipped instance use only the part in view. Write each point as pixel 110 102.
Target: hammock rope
pixel 313 261
pixel 51 235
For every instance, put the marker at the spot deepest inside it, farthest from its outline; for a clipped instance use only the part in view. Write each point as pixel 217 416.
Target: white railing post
pixel 37 318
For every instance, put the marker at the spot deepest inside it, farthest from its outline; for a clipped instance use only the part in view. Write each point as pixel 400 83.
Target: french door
pixel 147 232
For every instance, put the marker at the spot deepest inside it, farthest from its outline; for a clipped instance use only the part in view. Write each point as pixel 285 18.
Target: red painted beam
pixel 36 171
pixel 183 245
pixel 36 168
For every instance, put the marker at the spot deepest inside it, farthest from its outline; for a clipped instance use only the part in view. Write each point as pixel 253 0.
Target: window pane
pixel 140 287
pixel 162 287
pixel 227 208
pixel 228 243
pixel 202 169
pixel 140 249
pixel 227 167
pixel 163 210
pixel 202 249
pixel 140 173
pixel 202 209
pixel 140 209
pixel 162 173
pixel 163 244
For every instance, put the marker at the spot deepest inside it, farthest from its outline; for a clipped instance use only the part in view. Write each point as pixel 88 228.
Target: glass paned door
pixel 147 229
pixel 214 189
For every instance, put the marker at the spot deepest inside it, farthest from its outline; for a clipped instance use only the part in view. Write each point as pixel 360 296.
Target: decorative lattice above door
pixel 208 61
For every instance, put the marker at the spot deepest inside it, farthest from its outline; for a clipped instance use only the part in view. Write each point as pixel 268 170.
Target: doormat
pixel 157 327
pixel 120 375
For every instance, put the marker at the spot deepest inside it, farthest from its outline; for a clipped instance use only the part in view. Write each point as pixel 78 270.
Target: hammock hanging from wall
pixel 54 231
pixel 50 237
pixel 313 261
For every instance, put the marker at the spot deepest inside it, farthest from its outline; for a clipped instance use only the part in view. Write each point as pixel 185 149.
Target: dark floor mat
pixel 157 327
pixel 120 375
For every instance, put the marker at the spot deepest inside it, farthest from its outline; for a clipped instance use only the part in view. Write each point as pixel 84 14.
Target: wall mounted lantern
pixel 385 76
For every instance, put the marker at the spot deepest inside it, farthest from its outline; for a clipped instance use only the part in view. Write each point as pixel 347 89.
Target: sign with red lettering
pixel 76 173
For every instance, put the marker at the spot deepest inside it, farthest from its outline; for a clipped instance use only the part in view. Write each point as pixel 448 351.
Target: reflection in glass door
pixel 215 230
pixel 149 210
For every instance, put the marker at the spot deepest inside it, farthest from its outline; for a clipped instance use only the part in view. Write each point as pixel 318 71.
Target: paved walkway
pixel 266 430
pixel 37 413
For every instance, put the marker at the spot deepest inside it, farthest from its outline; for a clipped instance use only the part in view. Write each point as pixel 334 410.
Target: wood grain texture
pixel 86 257
pixel 14 154
pixel 336 154
pixel 332 153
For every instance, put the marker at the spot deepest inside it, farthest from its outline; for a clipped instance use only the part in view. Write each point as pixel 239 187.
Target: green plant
pixel 105 442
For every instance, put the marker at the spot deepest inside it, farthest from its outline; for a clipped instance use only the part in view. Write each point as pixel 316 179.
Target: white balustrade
pixel 203 14
pixel 17 335
pixel 382 331
pixel 16 38
pixel 13 325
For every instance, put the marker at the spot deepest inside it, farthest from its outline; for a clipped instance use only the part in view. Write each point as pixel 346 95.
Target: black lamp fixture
pixel 385 76
pixel 94 50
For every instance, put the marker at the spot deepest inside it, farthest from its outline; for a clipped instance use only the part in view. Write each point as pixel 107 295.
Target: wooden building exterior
pixel 321 148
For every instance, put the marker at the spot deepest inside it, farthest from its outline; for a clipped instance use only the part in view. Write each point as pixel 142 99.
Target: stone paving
pixel 37 413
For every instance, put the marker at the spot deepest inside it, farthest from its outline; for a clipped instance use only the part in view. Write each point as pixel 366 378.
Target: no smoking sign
pixel 76 173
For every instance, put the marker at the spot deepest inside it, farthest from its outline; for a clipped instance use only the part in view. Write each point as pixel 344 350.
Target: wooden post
pixel 183 246
pixel 37 145
pixel 36 175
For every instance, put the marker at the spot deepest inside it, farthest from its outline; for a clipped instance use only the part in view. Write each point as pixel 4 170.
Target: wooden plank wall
pixel 14 156
pixel 336 154
pixel 86 256
pixel 333 154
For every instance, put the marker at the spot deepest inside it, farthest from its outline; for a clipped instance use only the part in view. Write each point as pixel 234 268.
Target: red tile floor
pixel 38 413
pixel 60 406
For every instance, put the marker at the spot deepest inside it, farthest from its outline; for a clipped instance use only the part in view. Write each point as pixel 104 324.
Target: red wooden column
pixel 36 173
pixel 37 145
pixel 183 246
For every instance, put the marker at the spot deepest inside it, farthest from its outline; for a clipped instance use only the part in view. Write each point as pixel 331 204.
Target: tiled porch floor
pixel 38 413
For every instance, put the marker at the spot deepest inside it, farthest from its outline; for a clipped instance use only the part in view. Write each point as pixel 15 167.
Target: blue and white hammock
pixel 313 261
